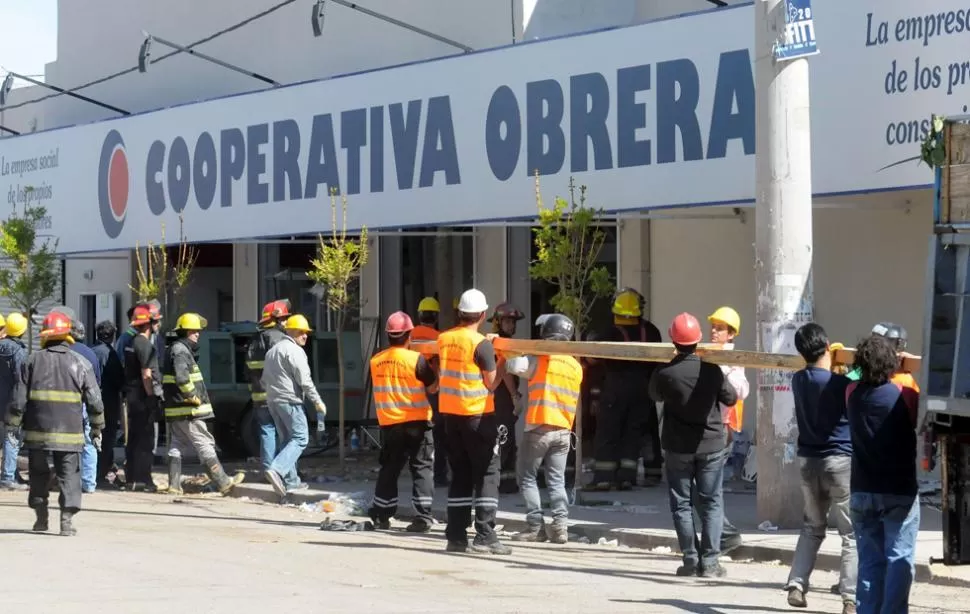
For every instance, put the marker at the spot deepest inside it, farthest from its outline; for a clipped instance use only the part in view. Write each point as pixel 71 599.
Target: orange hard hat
pixel 275 310
pixel 55 324
pixel 685 330
pixel 142 314
pixel 398 323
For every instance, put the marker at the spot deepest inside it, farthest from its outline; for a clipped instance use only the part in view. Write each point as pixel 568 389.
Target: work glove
pixel 96 439
pixel 321 408
pixel 13 435
pixel 193 400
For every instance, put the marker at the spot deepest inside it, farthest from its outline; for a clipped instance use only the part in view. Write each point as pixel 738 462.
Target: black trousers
pixel 109 436
pixel 142 415
pixel 619 430
pixel 408 443
pixel 653 457
pixel 473 455
pixel 67 468
pixel 508 451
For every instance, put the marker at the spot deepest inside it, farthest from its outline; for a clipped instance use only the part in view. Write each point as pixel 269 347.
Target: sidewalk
pixel 641 519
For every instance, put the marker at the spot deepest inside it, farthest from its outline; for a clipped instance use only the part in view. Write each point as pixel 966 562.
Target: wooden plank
pixel 957 190
pixel 957 139
pixel 663 352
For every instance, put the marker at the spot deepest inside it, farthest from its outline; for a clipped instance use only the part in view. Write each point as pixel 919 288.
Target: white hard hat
pixel 472 301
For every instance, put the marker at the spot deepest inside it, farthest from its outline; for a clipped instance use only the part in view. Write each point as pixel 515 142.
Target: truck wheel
pixel 249 431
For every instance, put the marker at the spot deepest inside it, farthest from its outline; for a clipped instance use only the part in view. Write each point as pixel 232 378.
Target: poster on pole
pixel 798 39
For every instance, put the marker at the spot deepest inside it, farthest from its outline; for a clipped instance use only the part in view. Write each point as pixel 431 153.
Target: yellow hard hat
pixel 297 322
pixel 190 321
pixel 16 324
pixel 627 304
pixel 429 303
pixel 727 316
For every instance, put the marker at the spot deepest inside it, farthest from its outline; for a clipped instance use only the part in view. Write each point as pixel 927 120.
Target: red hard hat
pixel 275 310
pixel 141 315
pixel 398 323
pixel 685 330
pixel 55 324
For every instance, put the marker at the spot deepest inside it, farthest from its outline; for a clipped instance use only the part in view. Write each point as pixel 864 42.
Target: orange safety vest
pixel 554 391
pixel 422 340
pixel 461 389
pixel 904 379
pixel 734 416
pixel 399 395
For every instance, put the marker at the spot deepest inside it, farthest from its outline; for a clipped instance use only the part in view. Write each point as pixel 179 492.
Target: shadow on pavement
pixel 704 608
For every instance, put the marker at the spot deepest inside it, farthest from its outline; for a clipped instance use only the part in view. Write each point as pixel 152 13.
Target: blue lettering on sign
pixel 278 162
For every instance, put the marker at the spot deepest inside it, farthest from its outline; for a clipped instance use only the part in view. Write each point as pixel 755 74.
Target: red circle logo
pixel 118 183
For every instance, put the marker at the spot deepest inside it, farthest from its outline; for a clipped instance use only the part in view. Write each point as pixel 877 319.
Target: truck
pixel 944 412
pixel 222 359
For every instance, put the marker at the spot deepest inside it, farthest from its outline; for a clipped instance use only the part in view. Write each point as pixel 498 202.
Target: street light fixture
pixel 318 16
pixel 145 54
pixel 8 83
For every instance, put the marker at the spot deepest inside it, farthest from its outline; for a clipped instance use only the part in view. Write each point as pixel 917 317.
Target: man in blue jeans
pixel 694 444
pixel 885 495
pixel 825 453
pixel 270 333
pixel 287 380
pixel 13 353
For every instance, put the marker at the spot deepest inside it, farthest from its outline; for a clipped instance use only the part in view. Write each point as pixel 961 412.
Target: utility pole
pixel 783 254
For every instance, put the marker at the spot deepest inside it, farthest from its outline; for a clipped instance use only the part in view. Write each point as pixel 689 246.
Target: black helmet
pixel 557 327
pixel 892 332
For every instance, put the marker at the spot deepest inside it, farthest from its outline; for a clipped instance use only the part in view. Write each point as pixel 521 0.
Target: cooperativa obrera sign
pixel 656 115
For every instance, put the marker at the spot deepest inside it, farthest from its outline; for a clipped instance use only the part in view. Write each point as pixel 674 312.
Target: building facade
pixel 436 149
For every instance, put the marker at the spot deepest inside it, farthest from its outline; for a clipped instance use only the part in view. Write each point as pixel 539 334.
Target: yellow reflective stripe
pixel 168 379
pixel 195 376
pixel 56 396
pixel 72 439
pixel 259 397
pixel 186 411
pixel 187 387
pixel 254 364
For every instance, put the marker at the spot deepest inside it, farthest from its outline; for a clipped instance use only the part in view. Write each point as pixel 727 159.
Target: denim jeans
pixel 89 457
pixel 13 438
pixel 703 473
pixel 551 448
pixel 268 441
pixel 293 432
pixel 825 487
pixel 886 527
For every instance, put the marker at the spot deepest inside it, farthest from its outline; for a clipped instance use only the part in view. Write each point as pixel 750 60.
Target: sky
pixel 29 38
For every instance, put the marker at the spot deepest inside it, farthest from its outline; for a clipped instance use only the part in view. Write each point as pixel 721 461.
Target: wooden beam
pixel 663 352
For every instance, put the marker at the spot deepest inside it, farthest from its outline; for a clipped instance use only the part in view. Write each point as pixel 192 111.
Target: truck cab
pixel 222 359
pixel 944 417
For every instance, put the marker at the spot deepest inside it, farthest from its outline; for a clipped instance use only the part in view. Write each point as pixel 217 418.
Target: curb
pixel 645 539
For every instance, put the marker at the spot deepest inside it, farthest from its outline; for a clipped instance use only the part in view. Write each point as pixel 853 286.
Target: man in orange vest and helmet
pixel 423 339
pixel 507 396
pixel 555 383
pixel 469 374
pixel 402 379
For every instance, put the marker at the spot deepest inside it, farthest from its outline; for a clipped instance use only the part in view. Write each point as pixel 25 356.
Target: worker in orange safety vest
pixel 402 379
pixel 555 384
pixel 424 338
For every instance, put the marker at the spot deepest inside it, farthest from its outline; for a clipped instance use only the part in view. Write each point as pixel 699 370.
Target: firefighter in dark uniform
pixel 143 386
pixel 507 396
pixel 270 333
pixel 55 385
pixel 626 411
pixel 423 339
pixel 402 380
pixel 187 408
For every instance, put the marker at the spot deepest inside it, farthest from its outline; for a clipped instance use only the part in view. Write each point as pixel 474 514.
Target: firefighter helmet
pixel 190 322
pixel 557 327
pixel 297 322
pixel 56 327
pixel 16 324
pixel 895 333
pixel 628 304
pixel 429 303
pixel 507 310
pixel 275 310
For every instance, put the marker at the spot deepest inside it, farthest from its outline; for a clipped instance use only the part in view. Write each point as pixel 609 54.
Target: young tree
pixel 157 277
pixel 335 268
pixel 33 274
pixel 569 241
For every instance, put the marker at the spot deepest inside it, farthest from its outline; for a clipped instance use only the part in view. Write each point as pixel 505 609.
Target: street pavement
pixel 141 553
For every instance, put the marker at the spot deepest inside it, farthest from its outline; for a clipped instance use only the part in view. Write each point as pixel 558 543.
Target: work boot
pixel 508 487
pixel 480 546
pixel 456 546
pixel 532 534
pixel 42 522
pixel 67 526
pixel 685 571
pixel 848 607
pixel 13 486
pixel 175 475
pixel 558 534
pixel 418 526
pixel 598 487
pixel 223 481
pixel 796 597
pixel 714 571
